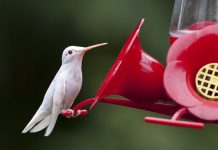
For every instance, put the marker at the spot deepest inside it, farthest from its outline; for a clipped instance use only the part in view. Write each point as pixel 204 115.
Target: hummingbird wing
pixel 58 98
pixel 44 109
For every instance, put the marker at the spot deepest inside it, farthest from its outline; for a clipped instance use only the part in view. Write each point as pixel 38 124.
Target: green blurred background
pixel 33 35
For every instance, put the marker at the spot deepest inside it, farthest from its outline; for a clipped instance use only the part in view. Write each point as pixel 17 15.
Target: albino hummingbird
pixel 62 91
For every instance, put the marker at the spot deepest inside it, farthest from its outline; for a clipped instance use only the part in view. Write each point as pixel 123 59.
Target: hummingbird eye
pixel 70 52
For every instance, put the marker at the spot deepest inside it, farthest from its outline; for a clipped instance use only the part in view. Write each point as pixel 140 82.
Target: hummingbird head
pixel 76 52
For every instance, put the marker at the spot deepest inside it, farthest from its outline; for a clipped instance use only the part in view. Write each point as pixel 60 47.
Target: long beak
pixel 93 46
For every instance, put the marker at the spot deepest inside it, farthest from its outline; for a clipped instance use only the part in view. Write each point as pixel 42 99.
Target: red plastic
pixel 167 109
pixel 134 75
pixel 174 121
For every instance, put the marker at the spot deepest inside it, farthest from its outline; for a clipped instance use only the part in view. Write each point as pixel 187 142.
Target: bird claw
pixel 69 113
pixel 82 112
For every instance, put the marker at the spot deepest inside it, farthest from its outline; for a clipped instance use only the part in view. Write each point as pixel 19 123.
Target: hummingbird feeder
pixel 188 82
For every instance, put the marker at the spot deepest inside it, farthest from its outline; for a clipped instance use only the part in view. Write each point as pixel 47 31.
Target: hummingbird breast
pixel 73 86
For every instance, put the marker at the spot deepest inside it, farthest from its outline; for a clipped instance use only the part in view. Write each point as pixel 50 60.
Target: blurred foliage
pixel 33 35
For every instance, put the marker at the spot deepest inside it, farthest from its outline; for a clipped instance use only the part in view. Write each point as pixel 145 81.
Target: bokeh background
pixel 33 35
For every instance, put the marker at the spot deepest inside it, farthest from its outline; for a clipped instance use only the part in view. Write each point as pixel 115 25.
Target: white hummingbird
pixel 62 91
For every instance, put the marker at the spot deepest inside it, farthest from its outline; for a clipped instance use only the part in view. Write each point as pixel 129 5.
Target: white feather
pixel 41 125
pixel 44 109
pixel 57 103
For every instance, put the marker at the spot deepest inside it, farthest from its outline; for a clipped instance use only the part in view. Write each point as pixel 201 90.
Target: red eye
pixel 70 52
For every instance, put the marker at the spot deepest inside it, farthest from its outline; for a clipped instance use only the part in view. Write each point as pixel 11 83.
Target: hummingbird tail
pixel 41 125
pixel 36 118
pixel 55 112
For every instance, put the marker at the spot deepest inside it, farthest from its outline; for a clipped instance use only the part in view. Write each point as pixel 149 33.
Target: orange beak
pixel 93 46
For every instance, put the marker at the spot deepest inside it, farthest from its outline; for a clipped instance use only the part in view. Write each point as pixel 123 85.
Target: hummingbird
pixel 62 91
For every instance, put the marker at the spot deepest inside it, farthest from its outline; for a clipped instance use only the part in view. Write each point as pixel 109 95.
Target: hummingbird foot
pixel 82 112
pixel 68 113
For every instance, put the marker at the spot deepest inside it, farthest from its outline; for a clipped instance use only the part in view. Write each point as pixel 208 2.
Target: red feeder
pixel 191 75
pixel 134 75
pixel 191 69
